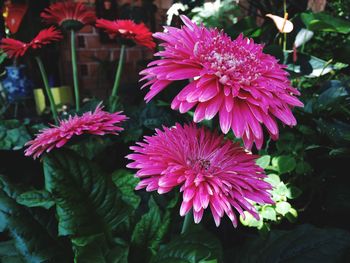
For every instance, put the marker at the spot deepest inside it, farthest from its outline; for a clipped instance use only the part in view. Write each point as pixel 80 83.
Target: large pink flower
pixel 98 122
pixel 210 171
pixel 233 79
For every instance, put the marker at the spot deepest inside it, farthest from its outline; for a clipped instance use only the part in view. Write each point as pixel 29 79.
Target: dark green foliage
pixel 87 202
pixel 34 240
pixel 13 135
pixel 305 243
pixel 192 247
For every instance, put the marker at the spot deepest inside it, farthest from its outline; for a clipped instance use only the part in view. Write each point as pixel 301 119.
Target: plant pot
pixel 61 95
pixel 16 84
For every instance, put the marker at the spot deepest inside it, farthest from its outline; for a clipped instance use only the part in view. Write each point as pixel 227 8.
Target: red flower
pixel 16 48
pixel 127 29
pixel 13 47
pixel 69 15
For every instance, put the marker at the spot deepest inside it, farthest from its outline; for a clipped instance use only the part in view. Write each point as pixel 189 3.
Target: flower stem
pixel 187 222
pixel 285 20
pixel 117 78
pixel 75 69
pixel 47 88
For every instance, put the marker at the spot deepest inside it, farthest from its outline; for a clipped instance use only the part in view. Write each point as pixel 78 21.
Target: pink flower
pixel 98 122
pixel 233 79
pixel 211 171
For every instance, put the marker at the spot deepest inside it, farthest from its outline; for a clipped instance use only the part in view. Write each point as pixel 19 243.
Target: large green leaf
pixel 284 163
pixel 126 183
pixel 337 131
pixel 191 247
pixel 87 202
pixel 13 135
pixel 92 146
pixel 325 22
pixel 335 92
pixel 311 66
pixel 99 251
pixel 36 198
pixel 306 244
pixel 9 253
pixel 148 233
pixel 33 239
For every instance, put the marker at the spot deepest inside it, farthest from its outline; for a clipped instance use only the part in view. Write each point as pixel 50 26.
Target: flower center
pixel 233 63
pixel 199 164
pixel 127 33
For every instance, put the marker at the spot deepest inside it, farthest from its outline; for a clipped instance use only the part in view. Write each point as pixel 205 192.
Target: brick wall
pixel 97 61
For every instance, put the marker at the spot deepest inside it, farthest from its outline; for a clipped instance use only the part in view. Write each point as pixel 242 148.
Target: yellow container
pixel 61 95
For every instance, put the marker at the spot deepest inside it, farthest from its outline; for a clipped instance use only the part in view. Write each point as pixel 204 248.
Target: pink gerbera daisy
pixel 233 79
pixel 210 171
pixel 98 122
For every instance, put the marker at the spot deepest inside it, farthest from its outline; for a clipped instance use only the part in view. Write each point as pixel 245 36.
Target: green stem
pixel 47 88
pixel 285 34
pixel 187 222
pixel 117 78
pixel 75 69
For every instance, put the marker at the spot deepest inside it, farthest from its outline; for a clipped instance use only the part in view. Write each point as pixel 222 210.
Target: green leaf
pixel 153 117
pixel 9 253
pixel 36 198
pixel 92 146
pixel 191 247
pixel 337 131
pixel 340 152
pixel 284 163
pixel 30 231
pixel 251 221
pixel 268 212
pixel 335 92
pixel 325 22
pixel 148 233
pixel 293 192
pixel 312 67
pixel 99 251
pixel 305 243
pixel 13 135
pixel 87 202
pixel 281 189
pixel 273 179
pixel 303 167
pixel 292 215
pixel 283 207
pixel 263 161
pixel 126 183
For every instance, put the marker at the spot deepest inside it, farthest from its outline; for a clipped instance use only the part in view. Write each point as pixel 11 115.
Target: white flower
pixel 174 10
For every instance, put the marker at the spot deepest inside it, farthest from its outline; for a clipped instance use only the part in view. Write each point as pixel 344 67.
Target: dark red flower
pixel 69 15
pixel 45 37
pixel 127 29
pixel 13 47
pixel 16 48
